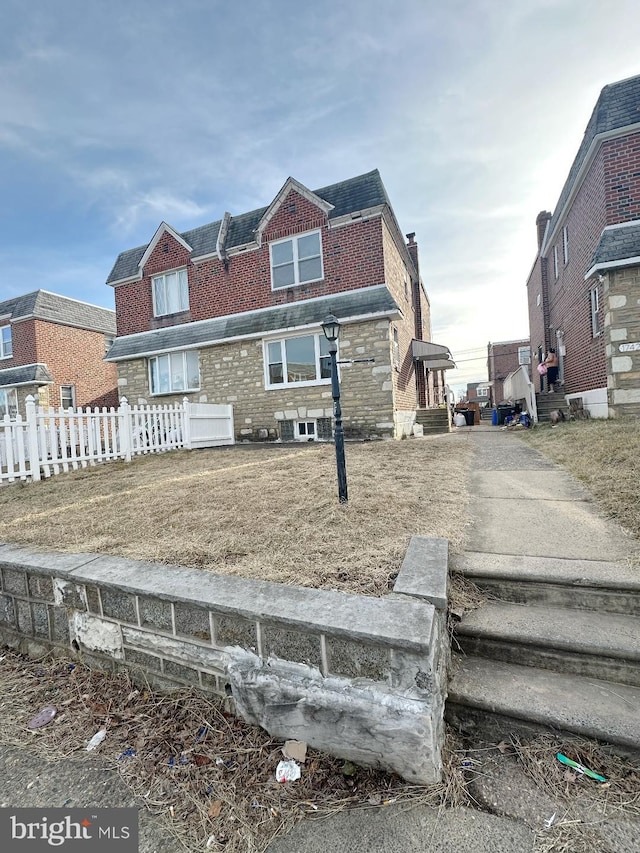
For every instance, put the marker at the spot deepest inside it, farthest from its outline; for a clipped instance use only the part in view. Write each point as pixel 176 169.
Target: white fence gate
pixel 50 441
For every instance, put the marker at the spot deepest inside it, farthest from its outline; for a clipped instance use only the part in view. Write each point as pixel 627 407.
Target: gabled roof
pixel 346 306
pixel 619 246
pixel 616 108
pixel 42 305
pixel 355 194
pixel 26 374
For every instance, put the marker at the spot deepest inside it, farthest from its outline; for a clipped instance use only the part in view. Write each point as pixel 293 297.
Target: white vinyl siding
pixel 297 260
pixel 302 360
pixel 6 344
pixel 174 372
pixel 170 293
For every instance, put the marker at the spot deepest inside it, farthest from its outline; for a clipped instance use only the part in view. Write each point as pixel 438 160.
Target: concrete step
pixel 486 694
pixel 612 587
pixel 597 645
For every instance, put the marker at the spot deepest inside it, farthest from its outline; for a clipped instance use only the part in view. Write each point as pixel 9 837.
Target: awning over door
pixel 434 356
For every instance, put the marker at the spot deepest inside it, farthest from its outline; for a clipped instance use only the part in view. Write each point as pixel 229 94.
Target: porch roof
pixel 434 356
pixel 368 302
pixel 27 374
pixel 619 246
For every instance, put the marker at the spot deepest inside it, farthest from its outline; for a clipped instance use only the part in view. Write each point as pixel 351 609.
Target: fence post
pixel 32 437
pixel 124 410
pixel 186 426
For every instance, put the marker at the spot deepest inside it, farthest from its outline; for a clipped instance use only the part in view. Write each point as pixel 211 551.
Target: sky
pixel 115 116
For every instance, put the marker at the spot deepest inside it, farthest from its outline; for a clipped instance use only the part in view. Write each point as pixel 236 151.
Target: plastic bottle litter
pixel 96 740
pixel 288 771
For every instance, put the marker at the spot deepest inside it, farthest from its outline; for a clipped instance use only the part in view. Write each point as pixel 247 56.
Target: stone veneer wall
pixel 363 678
pixel 622 340
pixel 234 373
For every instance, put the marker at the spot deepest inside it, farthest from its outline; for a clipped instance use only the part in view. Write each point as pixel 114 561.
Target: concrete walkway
pixel 521 505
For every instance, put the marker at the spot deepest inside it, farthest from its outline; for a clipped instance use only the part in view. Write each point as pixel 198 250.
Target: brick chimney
pixel 412 248
pixel 541 223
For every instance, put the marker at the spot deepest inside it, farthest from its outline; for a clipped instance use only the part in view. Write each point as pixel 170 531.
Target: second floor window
pixel 565 244
pixel 524 355
pixel 296 261
pixel 293 361
pixel 555 262
pixel 6 345
pixel 174 372
pixel 170 293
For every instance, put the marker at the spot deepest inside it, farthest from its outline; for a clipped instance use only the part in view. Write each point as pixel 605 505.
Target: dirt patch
pixel 270 513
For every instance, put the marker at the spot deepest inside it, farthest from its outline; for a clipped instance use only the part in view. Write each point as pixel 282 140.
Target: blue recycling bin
pixel 494 417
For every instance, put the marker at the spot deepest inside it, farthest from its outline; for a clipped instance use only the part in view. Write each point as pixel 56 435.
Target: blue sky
pixel 117 115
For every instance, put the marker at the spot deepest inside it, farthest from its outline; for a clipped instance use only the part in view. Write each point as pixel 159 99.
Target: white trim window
pixel 555 261
pixel 174 372
pixel 595 312
pixel 306 430
pixel 68 396
pixel 301 360
pixel 297 260
pixel 170 293
pixel 6 343
pixel 396 348
pixel 8 402
pixel 524 355
pixel 565 244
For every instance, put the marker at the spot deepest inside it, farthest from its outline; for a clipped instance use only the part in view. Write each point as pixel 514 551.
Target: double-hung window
pixel 170 293
pixel 524 355
pixel 303 360
pixel 6 345
pixel 8 402
pixel 296 261
pixel 174 372
pixel 555 261
pixel 68 396
pixel 565 244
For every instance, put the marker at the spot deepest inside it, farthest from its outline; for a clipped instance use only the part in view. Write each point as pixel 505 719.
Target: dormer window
pixel 6 345
pixel 297 260
pixel 170 293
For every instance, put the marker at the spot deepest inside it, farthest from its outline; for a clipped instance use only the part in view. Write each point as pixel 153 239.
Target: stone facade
pixel 234 373
pixel 622 339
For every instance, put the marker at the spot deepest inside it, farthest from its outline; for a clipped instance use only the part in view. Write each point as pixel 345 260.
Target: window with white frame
pixel 565 244
pixel 170 293
pixel 8 402
pixel 524 355
pixel 6 344
pixel 482 391
pixel 555 262
pixel 68 396
pixel 297 260
pixel 396 349
pixel 302 360
pixel 306 430
pixel 174 372
pixel 595 312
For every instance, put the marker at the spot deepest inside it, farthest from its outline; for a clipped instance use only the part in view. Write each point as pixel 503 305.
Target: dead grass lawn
pixel 605 455
pixel 270 513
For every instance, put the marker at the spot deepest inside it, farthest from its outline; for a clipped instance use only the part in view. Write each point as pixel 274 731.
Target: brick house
pixel 53 347
pixel 503 357
pixel 582 290
pixel 231 312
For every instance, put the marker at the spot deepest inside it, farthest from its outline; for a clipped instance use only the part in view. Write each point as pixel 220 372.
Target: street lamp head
pixel 331 328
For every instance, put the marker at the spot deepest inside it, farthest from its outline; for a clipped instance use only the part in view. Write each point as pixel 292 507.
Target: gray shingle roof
pixel 60 309
pixel 348 196
pixel 36 373
pixel 617 244
pixel 616 107
pixel 372 300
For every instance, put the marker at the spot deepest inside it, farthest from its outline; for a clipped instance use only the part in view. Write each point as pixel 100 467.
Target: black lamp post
pixel 331 329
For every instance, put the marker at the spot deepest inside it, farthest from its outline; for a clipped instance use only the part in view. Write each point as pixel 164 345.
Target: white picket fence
pixel 51 441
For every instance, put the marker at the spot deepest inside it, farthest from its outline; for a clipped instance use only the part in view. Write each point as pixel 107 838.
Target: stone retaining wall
pixel 362 678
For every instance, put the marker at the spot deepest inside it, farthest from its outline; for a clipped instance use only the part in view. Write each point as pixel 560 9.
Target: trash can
pixel 504 412
pixel 469 416
pixel 494 417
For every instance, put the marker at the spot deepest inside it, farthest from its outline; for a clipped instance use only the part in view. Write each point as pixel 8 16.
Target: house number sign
pixel 629 347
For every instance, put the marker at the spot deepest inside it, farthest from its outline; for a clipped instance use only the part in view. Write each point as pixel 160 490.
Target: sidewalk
pixel 549 515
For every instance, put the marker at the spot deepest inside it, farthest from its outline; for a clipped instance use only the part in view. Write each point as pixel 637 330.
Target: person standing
pixel 551 362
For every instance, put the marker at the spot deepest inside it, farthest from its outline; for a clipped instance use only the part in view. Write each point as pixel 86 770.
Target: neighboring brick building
pixel 576 282
pixel 503 358
pixel 230 312
pixel 53 347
